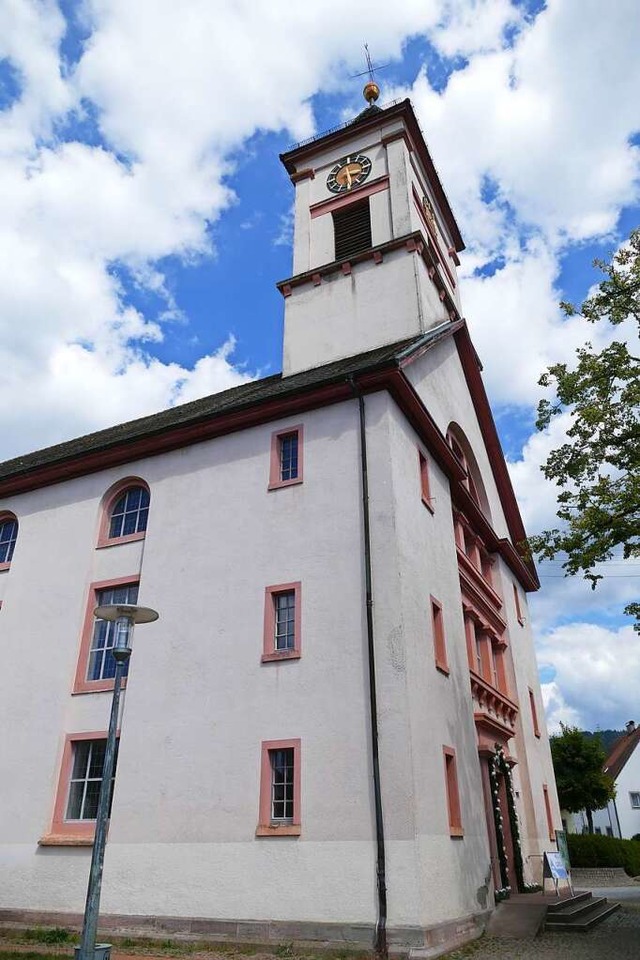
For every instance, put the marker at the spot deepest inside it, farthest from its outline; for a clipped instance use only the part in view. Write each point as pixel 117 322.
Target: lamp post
pixel 124 617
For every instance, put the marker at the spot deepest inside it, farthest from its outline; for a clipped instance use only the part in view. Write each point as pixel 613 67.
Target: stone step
pixel 574 910
pixel 579 897
pixel 586 921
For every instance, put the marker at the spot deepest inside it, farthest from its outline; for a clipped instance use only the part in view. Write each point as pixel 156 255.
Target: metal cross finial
pixel 371 90
pixel 371 67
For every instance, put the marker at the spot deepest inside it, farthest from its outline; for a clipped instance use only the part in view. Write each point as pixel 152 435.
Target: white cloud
pixel 597 675
pixel 473 26
pixel 526 118
pixel 176 89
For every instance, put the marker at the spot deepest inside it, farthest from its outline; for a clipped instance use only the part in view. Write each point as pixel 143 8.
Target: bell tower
pixel 375 241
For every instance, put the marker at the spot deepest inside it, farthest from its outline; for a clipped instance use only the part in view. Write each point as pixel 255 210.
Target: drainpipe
pixel 381 924
pixel 615 807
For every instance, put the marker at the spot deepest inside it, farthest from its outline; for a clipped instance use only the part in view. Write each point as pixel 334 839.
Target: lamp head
pixel 124 616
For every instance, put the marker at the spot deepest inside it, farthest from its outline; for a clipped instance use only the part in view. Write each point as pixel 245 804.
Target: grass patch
pixel 42 935
pixel 27 955
pixel 169 947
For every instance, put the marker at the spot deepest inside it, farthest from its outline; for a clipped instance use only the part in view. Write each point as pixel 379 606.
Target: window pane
pixel 289 456
pixel 102 665
pixel 282 784
pixel 130 513
pixel 96 760
pixel 86 778
pixel 74 807
pixel 8 536
pixel 285 617
pixel 90 807
pixel 81 752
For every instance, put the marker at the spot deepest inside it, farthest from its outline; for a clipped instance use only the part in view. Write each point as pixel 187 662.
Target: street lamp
pixel 124 617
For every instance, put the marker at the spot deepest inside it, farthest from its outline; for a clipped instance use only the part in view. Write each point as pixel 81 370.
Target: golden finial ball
pixel 371 92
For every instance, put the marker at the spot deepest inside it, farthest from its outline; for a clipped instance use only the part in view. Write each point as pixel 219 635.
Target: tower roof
pixel 299 157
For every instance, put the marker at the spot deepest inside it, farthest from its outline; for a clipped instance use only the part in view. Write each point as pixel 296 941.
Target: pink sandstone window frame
pixel 439 638
pixel 269 652
pixel 454 811
pixel 70 832
pixel 109 500
pixel 266 828
pixel 534 713
pixel 8 516
pixel 547 807
pixel 516 600
pixel 425 481
pixel 80 683
pixel 275 481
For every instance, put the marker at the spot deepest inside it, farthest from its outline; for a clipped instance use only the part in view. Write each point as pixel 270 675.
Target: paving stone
pixel 618 938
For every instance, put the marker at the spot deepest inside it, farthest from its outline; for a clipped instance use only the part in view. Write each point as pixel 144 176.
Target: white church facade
pixel 334 732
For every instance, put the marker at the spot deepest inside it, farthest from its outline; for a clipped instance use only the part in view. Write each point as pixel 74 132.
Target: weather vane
pixel 371 90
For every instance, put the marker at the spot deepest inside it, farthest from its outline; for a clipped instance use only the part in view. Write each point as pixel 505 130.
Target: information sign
pixel 554 865
pixel 563 847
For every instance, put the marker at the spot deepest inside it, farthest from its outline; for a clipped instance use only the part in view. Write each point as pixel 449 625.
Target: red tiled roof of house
pixel 621 751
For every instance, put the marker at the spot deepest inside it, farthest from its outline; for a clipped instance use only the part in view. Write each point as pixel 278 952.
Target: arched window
pixel 125 512
pixel 130 513
pixel 8 537
pixel 473 481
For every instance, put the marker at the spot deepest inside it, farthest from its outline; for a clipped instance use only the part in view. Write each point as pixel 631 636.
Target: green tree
pixel 598 468
pixel 581 782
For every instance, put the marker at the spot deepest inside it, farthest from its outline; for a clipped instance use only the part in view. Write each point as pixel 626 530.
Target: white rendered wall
pixel 375 305
pixel 413 558
pixel 439 379
pixel 199 702
pixel 628 782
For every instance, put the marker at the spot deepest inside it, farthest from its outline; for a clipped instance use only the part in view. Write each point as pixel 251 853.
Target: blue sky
pixel 145 218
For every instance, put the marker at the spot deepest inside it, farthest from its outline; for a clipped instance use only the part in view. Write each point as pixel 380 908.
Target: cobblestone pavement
pixel 617 938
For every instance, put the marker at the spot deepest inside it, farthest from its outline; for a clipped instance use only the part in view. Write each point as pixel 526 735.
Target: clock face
pixel 348 173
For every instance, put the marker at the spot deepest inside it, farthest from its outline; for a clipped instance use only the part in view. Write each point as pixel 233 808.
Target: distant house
pixel 621 817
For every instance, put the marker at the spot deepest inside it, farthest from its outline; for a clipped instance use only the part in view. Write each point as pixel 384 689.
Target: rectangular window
pixel 285 619
pixel 479 663
pixel 286 458
pixel 598 830
pixel 635 800
pixel 96 667
pixel 439 643
pixel 516 600
pixel 282 622
pixel 279 789
pixel 609 831
pixel 78 790
pixel 352 229
pixel 282 766
pixel 425 486
pixel 288 455
pixel 102 665
pixel 453 794
pixel 547 807
pixel 534 713
pixel 86 779
pixel 495 672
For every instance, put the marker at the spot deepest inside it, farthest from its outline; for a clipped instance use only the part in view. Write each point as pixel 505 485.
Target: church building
pixel 334 733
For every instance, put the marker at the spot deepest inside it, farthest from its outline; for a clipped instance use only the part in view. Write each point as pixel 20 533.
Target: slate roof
pixel 621 752
pixel 217 404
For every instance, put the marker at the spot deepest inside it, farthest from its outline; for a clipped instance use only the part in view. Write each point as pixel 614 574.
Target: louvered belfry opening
pixel 352 229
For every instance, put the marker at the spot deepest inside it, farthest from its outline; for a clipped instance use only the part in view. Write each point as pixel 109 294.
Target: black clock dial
pixel 349 172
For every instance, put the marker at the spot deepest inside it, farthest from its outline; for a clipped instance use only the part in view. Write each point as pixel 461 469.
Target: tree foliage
pixel 578 763
pixel 598 468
